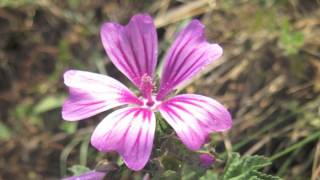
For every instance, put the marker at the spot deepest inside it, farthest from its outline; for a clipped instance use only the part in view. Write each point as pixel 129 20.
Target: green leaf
pixel 162 126
pixel 78 169
pixel 233 167
pixel 244 168
pixel 290 41
pixel 69 127
pixel 256 175
pixel 209 176
pixel 48 103
pixel 189 176
pixel 120 162
pixel 16 3
pixel 192 171
pixel 23 109
pixel 5 132
pixel 255 162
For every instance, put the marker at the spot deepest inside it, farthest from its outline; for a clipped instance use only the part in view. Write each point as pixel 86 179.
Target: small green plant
pixel 290 40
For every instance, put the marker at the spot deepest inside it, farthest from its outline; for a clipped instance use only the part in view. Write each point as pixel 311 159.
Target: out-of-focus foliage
pixel 16 3
pixel 290 41
pixel 5 132
pixel 78 170
pixel 47 104
pixel 69 127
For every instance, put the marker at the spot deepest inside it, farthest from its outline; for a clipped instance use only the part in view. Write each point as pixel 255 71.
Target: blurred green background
pixel 269 78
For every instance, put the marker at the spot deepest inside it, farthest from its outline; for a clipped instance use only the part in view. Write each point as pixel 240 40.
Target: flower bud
pixel 206 160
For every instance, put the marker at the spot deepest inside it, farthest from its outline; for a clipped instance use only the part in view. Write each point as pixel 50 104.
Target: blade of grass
pixel 287 163
pixel 64 155
pixel 84 150
pixel 295 146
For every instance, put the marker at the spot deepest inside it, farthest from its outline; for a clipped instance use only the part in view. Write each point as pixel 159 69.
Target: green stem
pixel 65 153
pixel 296 146
pixel 83 154
pixel 288 161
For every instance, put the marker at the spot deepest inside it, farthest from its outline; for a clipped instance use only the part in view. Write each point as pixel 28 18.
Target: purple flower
pixel 91 175
pixel 206 160
pixel 130 130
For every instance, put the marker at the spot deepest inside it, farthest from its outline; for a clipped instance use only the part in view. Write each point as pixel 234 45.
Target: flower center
pixel 146 88
pixel 151 104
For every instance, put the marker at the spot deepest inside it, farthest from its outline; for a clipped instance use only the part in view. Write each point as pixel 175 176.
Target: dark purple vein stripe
pixel 135 58
pixel 173 57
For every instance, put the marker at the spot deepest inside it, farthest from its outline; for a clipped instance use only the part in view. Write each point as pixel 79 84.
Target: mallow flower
pixel 130 130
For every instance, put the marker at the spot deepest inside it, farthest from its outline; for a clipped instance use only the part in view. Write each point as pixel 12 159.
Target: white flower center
pixel 151 103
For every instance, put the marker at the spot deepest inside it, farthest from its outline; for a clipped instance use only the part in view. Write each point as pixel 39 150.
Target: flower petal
pixel 130 132
pixel 92 93
pixel 189 53
pixel 90 175
pixel 132 48
pixel 193 117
